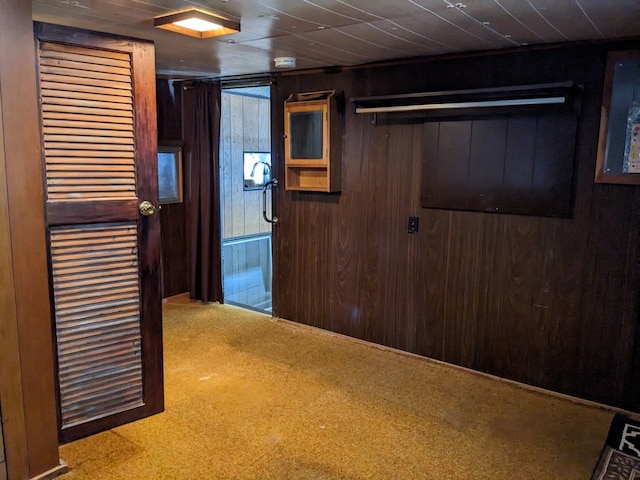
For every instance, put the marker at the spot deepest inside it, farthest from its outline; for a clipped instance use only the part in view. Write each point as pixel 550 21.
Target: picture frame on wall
pixel 618 158
pixel 170 173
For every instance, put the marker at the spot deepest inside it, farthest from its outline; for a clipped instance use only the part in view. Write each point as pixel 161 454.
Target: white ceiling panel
pixel 344 32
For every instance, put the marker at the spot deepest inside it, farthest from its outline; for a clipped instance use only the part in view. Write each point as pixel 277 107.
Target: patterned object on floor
pixel 620 457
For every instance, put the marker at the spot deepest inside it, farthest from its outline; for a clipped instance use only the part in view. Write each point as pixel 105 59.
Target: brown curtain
pixel 201 104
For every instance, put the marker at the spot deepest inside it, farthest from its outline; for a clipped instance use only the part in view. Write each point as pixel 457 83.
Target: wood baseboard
pixel 54 472
pixel 179 296
pixel 524 386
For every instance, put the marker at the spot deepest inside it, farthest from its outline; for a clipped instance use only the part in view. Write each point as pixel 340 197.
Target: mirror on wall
pixel 170 173
pixel 257 169
pixel 306 134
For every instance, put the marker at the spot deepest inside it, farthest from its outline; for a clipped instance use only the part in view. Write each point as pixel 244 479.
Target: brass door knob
pixel 147 208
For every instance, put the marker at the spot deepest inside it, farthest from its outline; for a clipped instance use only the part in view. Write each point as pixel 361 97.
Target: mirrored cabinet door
pixel 312 142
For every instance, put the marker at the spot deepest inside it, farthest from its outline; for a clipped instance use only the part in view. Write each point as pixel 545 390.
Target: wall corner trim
pixel 54 472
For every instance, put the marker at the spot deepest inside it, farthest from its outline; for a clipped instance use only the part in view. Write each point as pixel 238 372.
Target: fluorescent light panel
pixel 197 23
pixel 478 104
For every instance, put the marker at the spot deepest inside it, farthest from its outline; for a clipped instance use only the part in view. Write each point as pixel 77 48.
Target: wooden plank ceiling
pixel 322 33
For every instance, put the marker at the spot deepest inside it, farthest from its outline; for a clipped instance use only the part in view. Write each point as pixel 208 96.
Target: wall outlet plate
pixel 414 223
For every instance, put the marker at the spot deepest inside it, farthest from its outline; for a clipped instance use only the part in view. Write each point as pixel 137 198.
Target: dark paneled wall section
pixel 521 164
pixel 175 274
pixel 551 302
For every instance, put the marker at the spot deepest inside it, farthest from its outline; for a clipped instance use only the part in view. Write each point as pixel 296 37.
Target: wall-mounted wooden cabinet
pixel 312 142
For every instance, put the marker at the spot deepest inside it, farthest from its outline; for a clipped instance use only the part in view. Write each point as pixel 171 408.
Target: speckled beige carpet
pixel 249 397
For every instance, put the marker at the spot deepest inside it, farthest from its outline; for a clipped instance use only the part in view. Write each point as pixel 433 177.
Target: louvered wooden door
pixel 98 123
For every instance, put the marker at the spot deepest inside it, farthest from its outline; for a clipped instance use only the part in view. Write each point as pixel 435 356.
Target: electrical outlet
pixel 413 224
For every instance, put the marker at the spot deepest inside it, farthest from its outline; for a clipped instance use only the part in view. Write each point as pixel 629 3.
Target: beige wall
pixel 245 126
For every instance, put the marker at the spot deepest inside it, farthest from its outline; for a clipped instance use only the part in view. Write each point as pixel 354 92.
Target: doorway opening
pixel 245 171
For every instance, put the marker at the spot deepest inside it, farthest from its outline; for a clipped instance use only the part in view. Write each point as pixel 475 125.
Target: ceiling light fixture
pixel 196 23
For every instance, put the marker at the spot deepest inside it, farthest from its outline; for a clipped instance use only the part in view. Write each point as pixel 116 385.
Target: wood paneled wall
pixel 245 126
pixel 548 302
pixel 27 387
pixel 175 273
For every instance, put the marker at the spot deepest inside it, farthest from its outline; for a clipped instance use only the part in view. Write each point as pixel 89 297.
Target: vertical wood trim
pixel 10 381
pixel 173 229
pixel 276 121
pixel 3 464
pixel 31 430
pixel 146 135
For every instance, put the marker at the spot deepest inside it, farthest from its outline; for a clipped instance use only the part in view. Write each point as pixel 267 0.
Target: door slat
pixel 94 331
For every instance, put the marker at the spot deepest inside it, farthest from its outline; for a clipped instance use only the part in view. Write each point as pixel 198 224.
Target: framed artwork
pixel 619 140
pixel 170 174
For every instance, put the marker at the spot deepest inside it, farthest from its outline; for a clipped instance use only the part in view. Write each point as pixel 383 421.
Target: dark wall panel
pixel 487 162
pixel 519 159
pixel 175 273
pixel 510 164
pixel 547 301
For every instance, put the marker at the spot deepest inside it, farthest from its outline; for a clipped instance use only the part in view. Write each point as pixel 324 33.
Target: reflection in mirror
pixel 306 135
pixel 257 169
pixel 169 174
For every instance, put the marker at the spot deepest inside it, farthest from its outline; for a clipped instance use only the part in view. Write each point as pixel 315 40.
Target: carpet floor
pixel 250 397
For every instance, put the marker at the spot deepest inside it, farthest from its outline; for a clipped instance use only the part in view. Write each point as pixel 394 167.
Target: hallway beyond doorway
pixel 245 169
pixel 247 271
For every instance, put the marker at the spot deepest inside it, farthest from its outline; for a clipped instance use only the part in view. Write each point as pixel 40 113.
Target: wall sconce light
pixel 196 23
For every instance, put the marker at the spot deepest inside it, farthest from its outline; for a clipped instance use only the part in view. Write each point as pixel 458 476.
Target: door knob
pixel 147 208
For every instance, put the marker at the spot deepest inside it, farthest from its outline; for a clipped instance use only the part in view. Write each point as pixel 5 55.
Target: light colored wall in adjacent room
pixel 245 126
